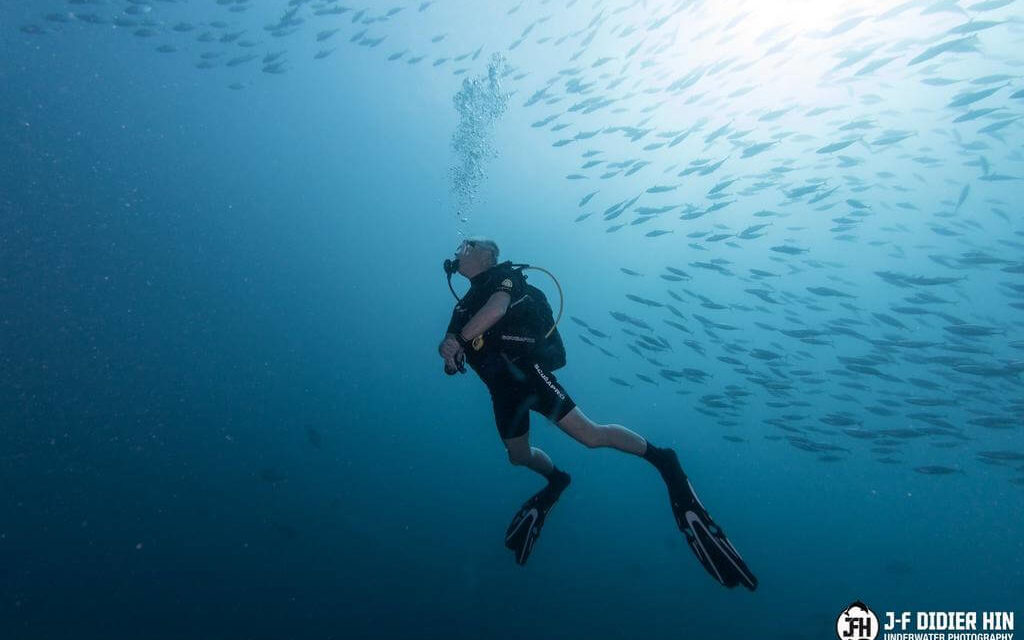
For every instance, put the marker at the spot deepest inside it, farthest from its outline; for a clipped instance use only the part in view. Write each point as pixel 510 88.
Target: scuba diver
pixel 503 327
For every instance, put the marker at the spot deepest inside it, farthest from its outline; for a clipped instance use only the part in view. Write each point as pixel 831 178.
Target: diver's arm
pixel 449 346
pixel 487 316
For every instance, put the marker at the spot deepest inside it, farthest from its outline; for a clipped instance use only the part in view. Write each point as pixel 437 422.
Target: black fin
pixel 706 539
pixel 525 527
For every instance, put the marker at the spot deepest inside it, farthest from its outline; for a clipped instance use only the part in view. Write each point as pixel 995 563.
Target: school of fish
pixel 843 197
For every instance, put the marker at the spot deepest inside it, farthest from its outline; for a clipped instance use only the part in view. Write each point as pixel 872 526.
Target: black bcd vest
pixel 522 331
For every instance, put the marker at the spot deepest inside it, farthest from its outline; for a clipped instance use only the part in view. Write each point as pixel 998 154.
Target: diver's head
pixel 476 255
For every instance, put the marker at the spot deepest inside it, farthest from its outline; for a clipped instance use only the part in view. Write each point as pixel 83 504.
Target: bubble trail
pixel 479 104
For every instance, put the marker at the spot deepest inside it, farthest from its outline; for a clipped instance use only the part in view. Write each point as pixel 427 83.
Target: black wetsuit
pixel 516 381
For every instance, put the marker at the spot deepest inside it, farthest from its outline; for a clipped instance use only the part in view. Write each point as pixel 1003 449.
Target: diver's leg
pixel 553 401
pixel 512 415
pixel 707 540
pixel 520 453
pixel 593 435
pixel 616 436
pixel 525 528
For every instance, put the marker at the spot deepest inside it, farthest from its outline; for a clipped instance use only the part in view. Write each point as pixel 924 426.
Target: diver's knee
pixel 593 438
pixel 518 458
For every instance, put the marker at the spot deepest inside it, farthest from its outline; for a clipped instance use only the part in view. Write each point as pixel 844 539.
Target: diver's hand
pixel 456 364
pixel 449 347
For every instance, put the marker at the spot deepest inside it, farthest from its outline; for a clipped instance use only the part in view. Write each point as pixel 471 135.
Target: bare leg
pixel 593 435
pixel 521 453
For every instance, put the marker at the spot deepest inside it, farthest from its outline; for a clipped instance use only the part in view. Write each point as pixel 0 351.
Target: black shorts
pixel 518 388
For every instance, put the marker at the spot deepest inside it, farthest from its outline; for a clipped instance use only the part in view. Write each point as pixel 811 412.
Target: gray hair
pixel 487 244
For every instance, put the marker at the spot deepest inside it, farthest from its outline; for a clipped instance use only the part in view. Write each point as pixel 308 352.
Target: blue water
pixel 222 414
